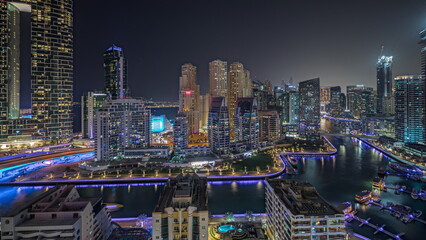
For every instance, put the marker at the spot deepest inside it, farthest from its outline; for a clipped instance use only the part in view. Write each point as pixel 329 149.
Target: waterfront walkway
pixel 392 210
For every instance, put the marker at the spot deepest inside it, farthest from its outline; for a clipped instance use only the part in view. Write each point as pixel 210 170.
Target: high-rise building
pixel 361 100
pixel 182 210
pixel 261 95
pixel 270 125
pixel 325 95
pixel 239 86
pixel 189 97
pixel 37 43
pixel 410 111
pixel 204 111
pixel 309 108
pixel 384 85
pixel 295 210
pixel 180 134
pixel 115 70
pixel 121 124
pixel 218 75
pixel 59 213
pixel 90 103
pixel 423 51
pixel 219 129
pixel 246 122
pixel 337 104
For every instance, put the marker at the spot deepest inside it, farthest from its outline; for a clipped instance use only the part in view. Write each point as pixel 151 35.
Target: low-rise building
pixel 182 211
pixel 296 211
pixel 60 213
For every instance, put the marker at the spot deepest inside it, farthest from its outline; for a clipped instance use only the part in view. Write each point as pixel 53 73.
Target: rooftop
pixel 183 191
pixel 301 198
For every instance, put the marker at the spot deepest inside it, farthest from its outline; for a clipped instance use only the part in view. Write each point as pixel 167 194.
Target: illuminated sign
pixel 157 123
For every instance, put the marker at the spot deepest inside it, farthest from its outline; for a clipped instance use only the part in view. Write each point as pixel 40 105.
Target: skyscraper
pixel 337 104
pixel 361 100
pixel 309 108
pixel 218 75
pixel 115 70
pixel 423 51
pixel 180 133
pixel 410 112
pixel 189 97
pixel 270 125
pixel 239 86
pixel 219 130
pixel 246 122
pixel 384 85
pixel 90 103
pixel 325 93
pixel 43 32
pixel 121 124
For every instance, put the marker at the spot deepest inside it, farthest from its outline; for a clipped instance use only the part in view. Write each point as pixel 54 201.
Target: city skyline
pixel 156 48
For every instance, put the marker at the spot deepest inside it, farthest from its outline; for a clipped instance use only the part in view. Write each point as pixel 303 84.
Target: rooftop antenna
pixel 381 51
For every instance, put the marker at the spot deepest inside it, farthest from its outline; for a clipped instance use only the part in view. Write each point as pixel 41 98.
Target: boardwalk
pixel 383 207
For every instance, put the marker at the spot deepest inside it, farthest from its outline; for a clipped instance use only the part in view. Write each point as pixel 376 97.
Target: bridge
pixel 349 135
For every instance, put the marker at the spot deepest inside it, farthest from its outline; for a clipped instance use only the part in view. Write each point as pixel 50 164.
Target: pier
pixel 393 210
pixel 377 228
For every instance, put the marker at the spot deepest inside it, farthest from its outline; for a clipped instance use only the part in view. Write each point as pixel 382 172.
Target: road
pixel 19 161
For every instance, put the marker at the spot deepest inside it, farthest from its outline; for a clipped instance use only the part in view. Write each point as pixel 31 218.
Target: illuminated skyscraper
pixel 239 86
pixel 218 75
pixel 309 108
pixel 189 97
pixel 204 105
pixel 115 70
pixel 361 100
pixel 49 29
pixel 325 93
pixel 219 131
pixel 180 134
pixel 246 122
pixel 90 103
pixel 410 112
pixel 423 51
pixel 270 125
pixel 337 102
pixel 384 85
pixel 121 124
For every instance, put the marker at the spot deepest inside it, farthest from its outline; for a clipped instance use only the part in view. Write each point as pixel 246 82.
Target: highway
pixel 25 160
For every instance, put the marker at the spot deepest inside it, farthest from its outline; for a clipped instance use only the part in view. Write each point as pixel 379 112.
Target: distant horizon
pixel 275 41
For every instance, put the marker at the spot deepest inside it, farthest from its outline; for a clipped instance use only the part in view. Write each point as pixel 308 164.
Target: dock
pixel 377 228
pixel 383 207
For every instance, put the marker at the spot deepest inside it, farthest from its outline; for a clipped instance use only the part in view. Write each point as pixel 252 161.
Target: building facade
pixel 90 103
pixel 218 76
pixel 309 108
pixel 189 97
pixel 219 127
pixel 60 213
pixel 246 122
pixel 121 124
pixel 325 95
pixel 410 112
pixel 180 134
pixel 115 70
pixel 270 126
pixel 182 210
pixel 384 85
pixel 295 210
pixel 27 27
pixel 361 100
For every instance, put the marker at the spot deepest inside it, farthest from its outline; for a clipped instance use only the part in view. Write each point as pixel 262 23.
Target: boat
pixel 422 195
pixel 379 184
pixel 363 197
pixel 417 213
pixel 112 207
pixel 414 194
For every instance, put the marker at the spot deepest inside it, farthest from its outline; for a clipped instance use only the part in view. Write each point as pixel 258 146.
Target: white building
pixel 182 211
pixel 90 103
pixel 59 213
pixel 296 211
pixel 121 124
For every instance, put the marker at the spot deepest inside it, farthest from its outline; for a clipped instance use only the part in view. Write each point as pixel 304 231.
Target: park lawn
pixel 261 160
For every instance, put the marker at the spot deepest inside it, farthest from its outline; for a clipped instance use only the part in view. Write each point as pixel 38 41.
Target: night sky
pixel 338 41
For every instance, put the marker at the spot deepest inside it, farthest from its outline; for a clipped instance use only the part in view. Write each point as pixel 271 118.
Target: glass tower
pixel 384 84
pixel 115 70
pixel 410 109
pixel 309 108
pixel 50 36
